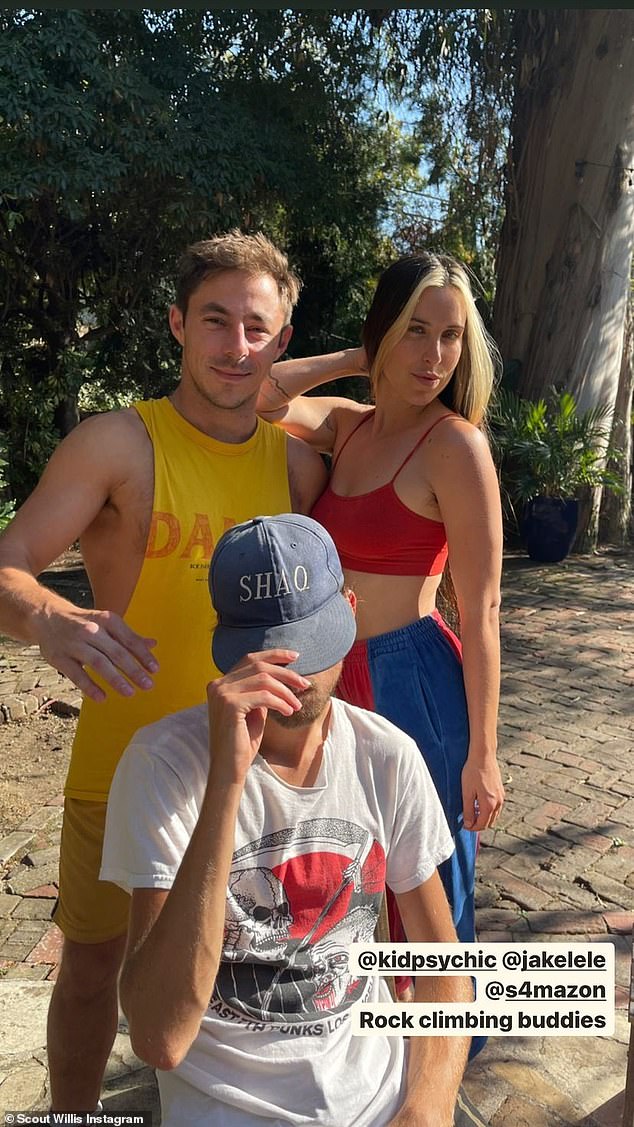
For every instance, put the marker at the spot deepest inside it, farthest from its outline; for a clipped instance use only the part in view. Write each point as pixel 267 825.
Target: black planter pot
pixel 549 527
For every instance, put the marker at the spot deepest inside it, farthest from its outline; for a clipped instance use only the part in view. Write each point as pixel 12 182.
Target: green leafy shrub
pixel 7 506
pixel 547 448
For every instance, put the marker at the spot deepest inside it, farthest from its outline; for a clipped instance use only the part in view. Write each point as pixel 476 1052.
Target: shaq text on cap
pixel 276 583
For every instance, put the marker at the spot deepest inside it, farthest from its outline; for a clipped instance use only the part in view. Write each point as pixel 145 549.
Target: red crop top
pixel 375 532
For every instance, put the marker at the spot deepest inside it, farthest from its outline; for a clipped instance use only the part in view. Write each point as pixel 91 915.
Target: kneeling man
pixel 257 835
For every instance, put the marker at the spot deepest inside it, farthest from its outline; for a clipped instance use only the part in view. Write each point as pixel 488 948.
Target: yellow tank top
pixel 201 488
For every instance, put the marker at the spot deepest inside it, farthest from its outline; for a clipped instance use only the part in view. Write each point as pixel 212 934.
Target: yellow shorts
pixel 88 910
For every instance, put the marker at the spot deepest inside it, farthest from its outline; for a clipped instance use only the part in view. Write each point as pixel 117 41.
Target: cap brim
pixel 322 640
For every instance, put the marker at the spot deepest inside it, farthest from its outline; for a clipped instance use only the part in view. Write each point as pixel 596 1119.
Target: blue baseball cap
pixel 276 583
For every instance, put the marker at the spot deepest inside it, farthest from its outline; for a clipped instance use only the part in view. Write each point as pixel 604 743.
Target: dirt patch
pixel 33 765
pixel 35 752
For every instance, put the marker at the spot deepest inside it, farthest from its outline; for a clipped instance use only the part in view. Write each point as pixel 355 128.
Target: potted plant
pixel 548 452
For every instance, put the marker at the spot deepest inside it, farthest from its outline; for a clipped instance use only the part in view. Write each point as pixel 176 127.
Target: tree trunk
pixel 615 523
pixel 566 245
pixel 66 415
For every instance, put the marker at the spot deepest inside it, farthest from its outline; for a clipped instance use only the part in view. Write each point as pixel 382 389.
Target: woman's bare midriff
pixel 389 602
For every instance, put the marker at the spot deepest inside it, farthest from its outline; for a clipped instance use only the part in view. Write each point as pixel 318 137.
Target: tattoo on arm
pixel 273 380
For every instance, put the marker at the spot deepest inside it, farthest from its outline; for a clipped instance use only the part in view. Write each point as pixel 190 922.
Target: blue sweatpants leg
pixel 413 677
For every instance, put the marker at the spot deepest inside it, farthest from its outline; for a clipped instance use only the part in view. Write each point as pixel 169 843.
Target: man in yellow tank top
pixel 148 491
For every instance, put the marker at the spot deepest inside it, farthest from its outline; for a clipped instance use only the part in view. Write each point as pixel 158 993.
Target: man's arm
pixel 435 1064
pixel 78 481
pixel 175 938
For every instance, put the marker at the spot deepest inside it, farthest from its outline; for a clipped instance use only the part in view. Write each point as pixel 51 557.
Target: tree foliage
pixel 125 135
pixel 453 69
pixel 347 135
pixel 548 448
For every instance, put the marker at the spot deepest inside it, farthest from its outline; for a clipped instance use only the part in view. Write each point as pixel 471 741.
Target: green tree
pixel 125 135
pixel 451 71
pixel 564 155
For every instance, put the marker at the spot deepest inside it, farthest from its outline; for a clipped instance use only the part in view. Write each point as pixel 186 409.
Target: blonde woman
pixel 413 484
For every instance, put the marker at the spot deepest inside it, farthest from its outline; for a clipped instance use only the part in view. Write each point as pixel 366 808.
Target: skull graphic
pixel 329 967
pixel 258 916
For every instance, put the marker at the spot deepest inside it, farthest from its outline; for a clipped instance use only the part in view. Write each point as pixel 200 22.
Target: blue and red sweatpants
pixel 413 677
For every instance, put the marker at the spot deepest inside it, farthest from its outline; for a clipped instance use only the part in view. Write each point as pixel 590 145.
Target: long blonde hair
pixel 397 295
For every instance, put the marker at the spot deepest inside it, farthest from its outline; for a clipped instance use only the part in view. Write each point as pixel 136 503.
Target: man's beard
pixel 314 703
pixel 216 398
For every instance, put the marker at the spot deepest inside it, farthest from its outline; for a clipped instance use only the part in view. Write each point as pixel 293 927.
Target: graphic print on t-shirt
pixel 296 899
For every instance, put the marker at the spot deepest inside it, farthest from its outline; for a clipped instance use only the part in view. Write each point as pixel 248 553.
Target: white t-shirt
pixel 307 876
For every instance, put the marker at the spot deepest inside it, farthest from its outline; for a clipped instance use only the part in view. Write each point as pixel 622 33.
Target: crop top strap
pixel 368 415
pixel 448 415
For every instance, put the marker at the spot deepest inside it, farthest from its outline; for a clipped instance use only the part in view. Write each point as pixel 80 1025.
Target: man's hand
pixel 165 997
pixel 238 706
pixel 75 641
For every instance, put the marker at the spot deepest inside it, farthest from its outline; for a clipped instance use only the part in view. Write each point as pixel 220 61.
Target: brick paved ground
pixel 559 867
